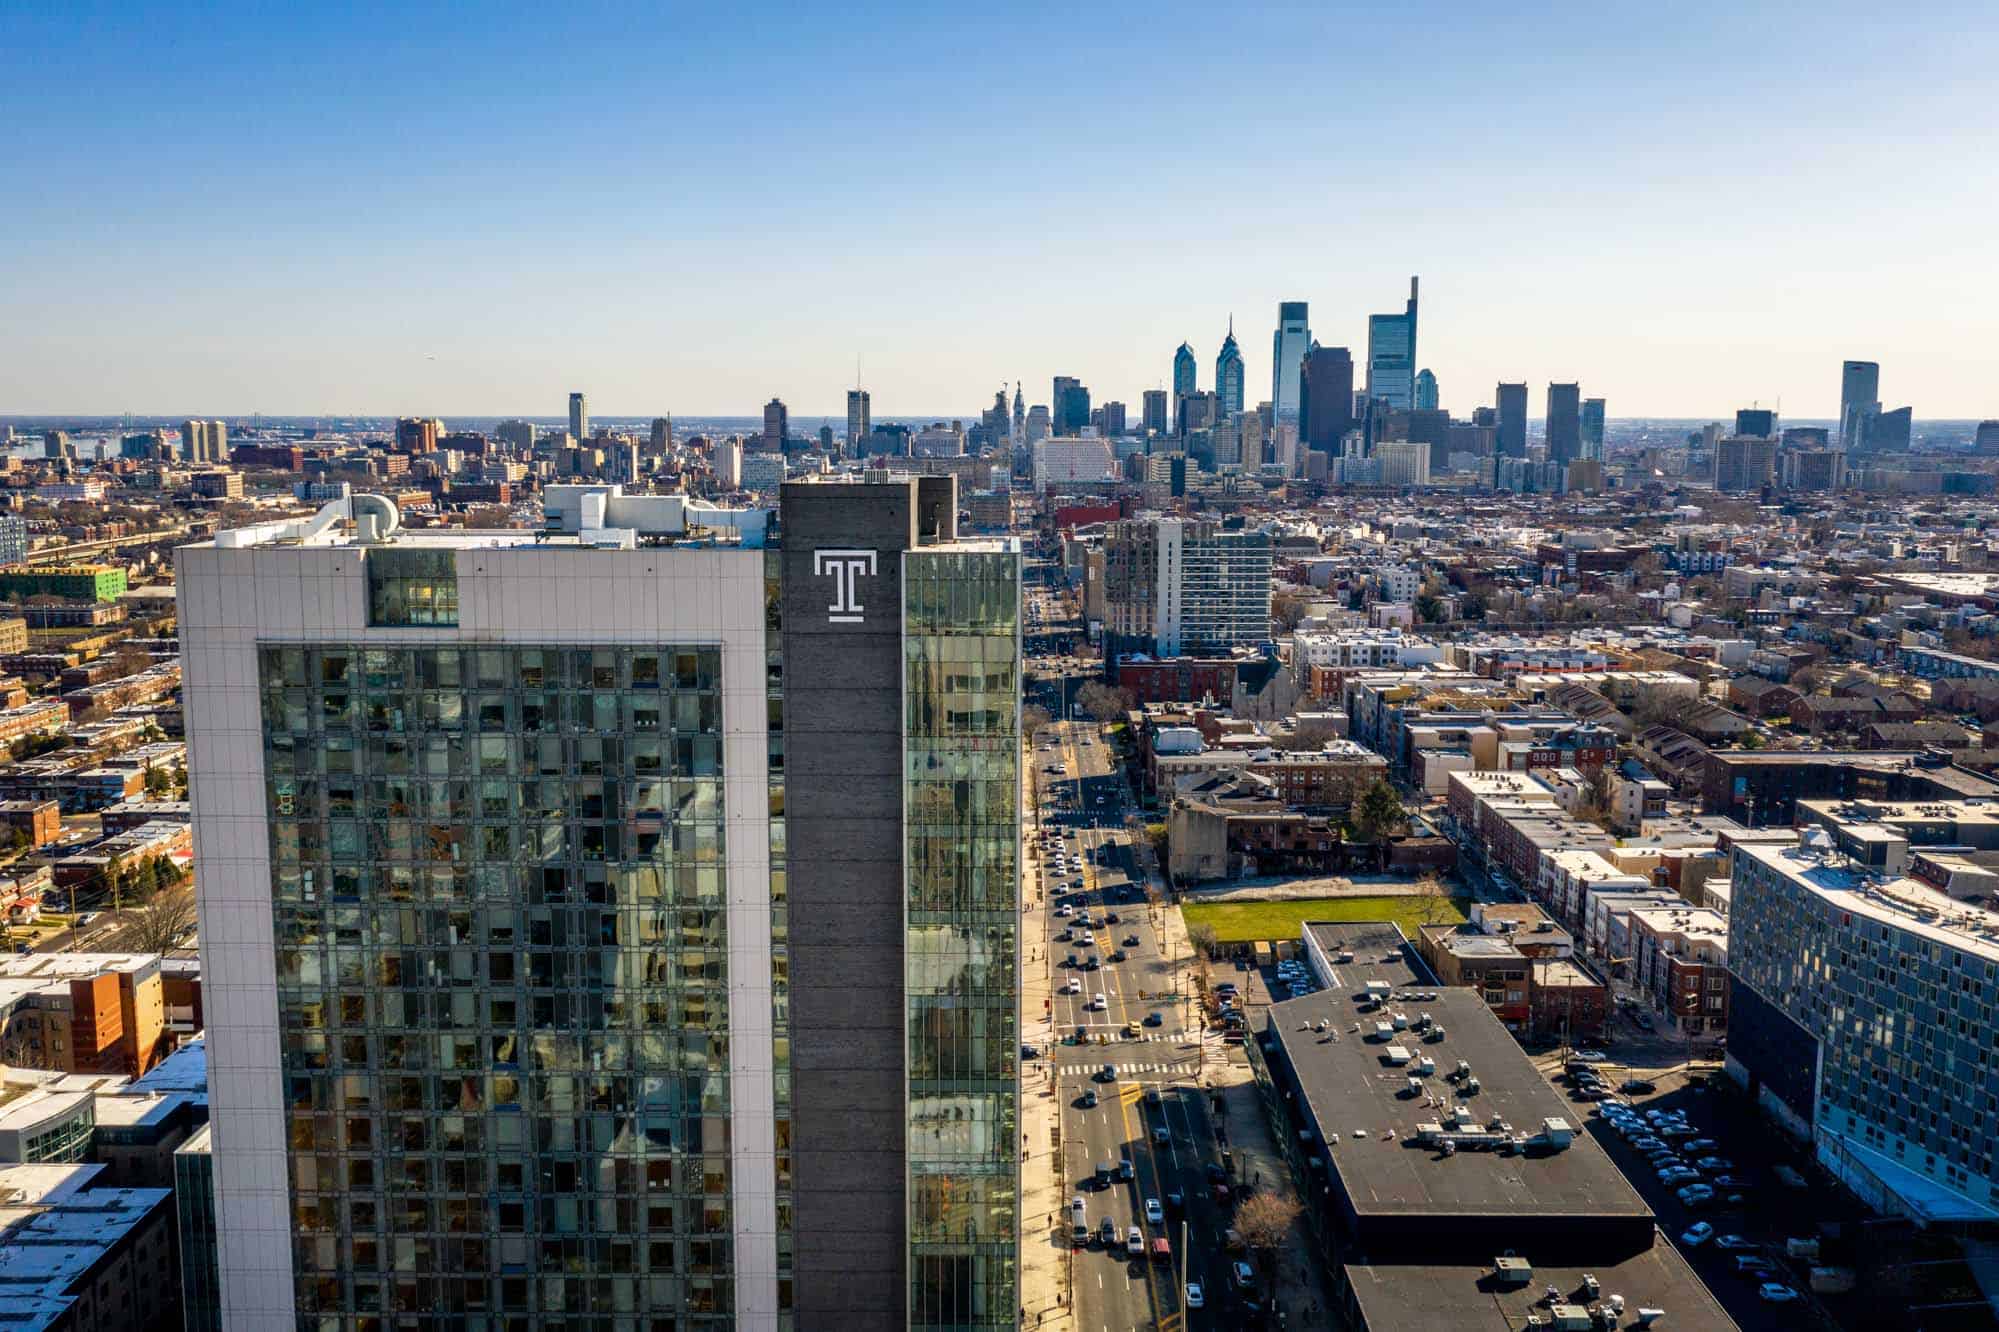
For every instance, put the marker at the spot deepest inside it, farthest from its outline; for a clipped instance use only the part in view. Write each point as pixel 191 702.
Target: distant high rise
pixel 860 418
pixel 1228 374
pixel 1152 412
pixel 1039 425
pixel 1756 423
pixel 1186 374
pixel 1511 441
pixel 204 441
pixel 1986 440
pixel 1592 427
pixel 1888 432
pixel 1287 354
pixel 515 434
pixel 1859 398
pixel 55 444
pixel 1019 416
pixel 579 417
pixel 1426 391
pixel 1113 418
pixel 418 434
pixel 1325 398
pixel 1071 405
pixel 1744 463
pixel 1565 433
pixel 1391 355
pixel 777 425
pixel 662 434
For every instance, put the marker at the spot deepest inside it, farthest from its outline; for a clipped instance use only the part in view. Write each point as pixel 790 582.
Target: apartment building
pixel 643 892
pixel 1680 961
pixel 1176 586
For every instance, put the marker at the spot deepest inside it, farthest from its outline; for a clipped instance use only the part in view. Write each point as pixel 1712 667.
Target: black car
pixel 1638 1085
pixel 1217 1175
pixel 1030 1052
pixel 1118 956
pixel 1131 941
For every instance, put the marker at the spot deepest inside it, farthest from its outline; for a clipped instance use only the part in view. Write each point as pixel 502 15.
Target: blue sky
pixel 409 209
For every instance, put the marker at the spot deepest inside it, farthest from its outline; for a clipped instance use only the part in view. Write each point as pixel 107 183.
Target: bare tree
pixel 1032 718
pixel 1104 702
pixel 154 926
pixel 1433 900
pixel 1202 936
pixel 1265 1221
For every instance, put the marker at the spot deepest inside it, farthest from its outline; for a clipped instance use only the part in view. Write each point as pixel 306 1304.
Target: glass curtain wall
pixel 961 655
pixel 497 886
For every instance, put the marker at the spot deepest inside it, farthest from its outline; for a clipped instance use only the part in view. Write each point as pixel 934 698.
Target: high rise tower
pixel 1228 374
pixel 1859 399
pixel 1325 398
pixel 1426 391
pixel 1510 439
pixel 860 419
pixel 672 926
pixel 1391 355
pixel 1565 430
pixel 1593 427
pixel 1287 353
pixel 579 417
pixel 1019 416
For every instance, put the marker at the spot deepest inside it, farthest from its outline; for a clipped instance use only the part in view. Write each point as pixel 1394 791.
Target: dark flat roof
pixel 1467 1299
pixel 1349 1085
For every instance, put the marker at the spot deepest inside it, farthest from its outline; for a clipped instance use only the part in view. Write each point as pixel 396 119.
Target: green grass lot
pixel 1244 922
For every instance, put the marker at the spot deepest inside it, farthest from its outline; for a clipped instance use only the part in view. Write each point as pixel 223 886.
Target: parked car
pixel 1715 1163
pixel 1776 1292
pixel 1244 1275
pixel 1591 1057
pixel 1733 1243
pixel 1639 1086
pixel 1196 1298
pixel 1733 1182
pixel 1699 1233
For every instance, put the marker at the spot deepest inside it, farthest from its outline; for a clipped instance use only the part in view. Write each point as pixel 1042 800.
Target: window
pixel 412 587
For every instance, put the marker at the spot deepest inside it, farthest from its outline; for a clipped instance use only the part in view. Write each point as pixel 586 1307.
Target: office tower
pixel 1759 422
pixel 1071 405
pixel 1199 411
pixel 1592 427
pixel 860 418
pixel 1152 412
pixel 826 445
pixel 1744 463
pixel 1228 374
pixel 1861 971
pixel 596 928
pixel 518 435
pixel 55 444
pixel 1810 465
pixel 204 441
pixel 1565 437
pixel 1859 398
pixel 1511 439
pixel 1113 418
pixel 1426 391
pixel 1325 397
pixel 1986 440
pixel 1039 425
pixel 1391 355
pixel 662 434
pixel 1287 354
pixel 777 426
pixel 579 417
pixel 1185 373
pixel 1887 432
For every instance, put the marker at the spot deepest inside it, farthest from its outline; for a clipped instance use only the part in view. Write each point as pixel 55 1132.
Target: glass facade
pixel 194 1201
pixel 499 909
pixel 961 654
pixel 412 586
pixel 780 928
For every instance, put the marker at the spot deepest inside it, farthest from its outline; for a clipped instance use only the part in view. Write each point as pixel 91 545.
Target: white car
pixel 1154 1213
pixel 1195 1298
pixel 1072 986
pixel 1099 1003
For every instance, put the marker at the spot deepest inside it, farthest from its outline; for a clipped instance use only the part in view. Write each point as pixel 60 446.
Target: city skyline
pixel 400 256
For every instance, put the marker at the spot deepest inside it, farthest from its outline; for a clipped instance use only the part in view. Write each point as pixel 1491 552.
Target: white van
pixel 1079 1220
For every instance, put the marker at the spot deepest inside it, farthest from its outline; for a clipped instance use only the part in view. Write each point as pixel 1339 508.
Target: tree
pixel 1434 904
pixel 1032 718
pixel 1429 609
pixel 1104 702
pixel 1378 813
pixel 1265 1221
pixel 155 925
pixel 1287 607
pixel 1201 935
pixel 1666 708
pixel 159 783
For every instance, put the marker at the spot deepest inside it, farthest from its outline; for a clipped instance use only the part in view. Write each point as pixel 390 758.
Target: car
pixel 1734 1182
pixel 1754 1264
pixel 1699 1233
pixel 1176 1202
pixel 1733 1243
pixel 1134 1242
pixel 1110 918
pixel 1131 941
pixel 1639 1086
pixel 1776 1292
pixel 1721 1163
pixel 1591 1057
pixel 1696 1195
pixel 1161 1135
pixel 1072 986
pixel 1155 1019
pixel 1089 1099
pixel 1154 1213
pixel 1099 1002
pixel 1030 1052
pixel 1108 1073
pixel 1702 1145
pixel 1648 1143
pixel 1065 910
pixel 1243 1274
pixel 1092 962
pixel 1109 1233
pixel 1118 955
pixel 1196 1299
pixel 1124 1167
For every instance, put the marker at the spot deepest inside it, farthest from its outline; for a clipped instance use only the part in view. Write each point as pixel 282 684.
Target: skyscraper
pixel 1228 374
pixel 662 434
pixel 1756 423
pixel 1426 391
pixel 1287 354
pixel 860 418
pixel 1071 405
pixel 593 926
pixel 1186 373
pixel 777 425
pixel 1565 435
pixel 1019 417
pixel 579 417
pixel 204 441
pixel 1859 398
pixel 1592 429
pixel 1511 440
pixel 1152 412
pixel 1325 398
pixel 1391 355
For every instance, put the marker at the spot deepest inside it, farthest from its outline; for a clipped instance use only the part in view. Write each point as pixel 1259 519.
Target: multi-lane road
pixel 1140 1145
